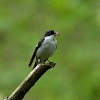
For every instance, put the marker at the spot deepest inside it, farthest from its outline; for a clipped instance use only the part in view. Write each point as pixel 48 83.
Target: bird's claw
pixel 43 63
pixel 52 64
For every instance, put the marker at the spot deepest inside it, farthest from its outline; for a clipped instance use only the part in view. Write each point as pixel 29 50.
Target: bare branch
pixel 29 81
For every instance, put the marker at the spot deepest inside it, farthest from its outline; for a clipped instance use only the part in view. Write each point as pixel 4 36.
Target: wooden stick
pixel 29 81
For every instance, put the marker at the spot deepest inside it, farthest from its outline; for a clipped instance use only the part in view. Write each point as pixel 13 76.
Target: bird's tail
pixel 35 65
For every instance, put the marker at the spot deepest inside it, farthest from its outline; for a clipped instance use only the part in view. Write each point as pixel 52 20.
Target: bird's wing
pixel 34 54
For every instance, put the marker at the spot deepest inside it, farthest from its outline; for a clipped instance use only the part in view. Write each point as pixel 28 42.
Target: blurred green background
pixel 77 73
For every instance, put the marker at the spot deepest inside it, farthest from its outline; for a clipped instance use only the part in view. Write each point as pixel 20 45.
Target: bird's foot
pixel 43 63
pixel 52 64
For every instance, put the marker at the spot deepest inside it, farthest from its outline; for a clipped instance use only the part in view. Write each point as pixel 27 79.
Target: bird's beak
pixel 57 33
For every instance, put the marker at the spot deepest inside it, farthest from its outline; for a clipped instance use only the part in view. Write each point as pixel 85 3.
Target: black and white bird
pixel 45 48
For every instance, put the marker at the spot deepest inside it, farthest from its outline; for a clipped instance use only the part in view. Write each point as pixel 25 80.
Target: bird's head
pixel 51 32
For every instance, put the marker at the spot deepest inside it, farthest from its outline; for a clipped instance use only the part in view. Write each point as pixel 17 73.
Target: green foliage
pixel 77 73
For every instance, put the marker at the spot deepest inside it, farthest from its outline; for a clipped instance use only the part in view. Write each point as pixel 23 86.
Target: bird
pixel 45 48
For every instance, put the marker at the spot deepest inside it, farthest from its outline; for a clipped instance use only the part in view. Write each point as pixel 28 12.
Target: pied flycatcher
pixel 45 48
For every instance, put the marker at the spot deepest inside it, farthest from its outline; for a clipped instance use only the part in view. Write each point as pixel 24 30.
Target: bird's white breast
pixel 47 48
